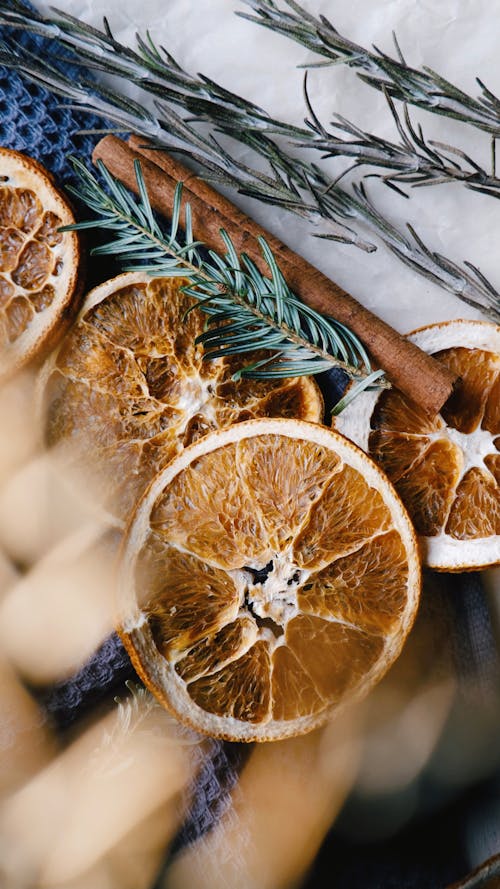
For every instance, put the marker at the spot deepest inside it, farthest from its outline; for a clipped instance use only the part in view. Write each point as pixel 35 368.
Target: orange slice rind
pixel 248 627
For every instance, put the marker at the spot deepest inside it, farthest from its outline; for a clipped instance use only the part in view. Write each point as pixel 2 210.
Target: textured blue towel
pixel 421 855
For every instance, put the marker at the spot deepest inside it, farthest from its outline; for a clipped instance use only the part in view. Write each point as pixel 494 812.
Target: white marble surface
pixel 456 37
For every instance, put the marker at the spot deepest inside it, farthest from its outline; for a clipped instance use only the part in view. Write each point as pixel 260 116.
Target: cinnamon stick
pixel 423 379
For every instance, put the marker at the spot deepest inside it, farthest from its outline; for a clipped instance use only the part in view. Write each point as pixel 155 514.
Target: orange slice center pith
pixel 261 617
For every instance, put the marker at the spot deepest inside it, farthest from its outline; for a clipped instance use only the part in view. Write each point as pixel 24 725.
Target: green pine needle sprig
pixel 246 310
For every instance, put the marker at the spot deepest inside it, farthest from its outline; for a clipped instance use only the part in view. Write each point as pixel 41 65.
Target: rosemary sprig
pixel 424 88
pixel 412 161
pixel 290 182
pixel 246 311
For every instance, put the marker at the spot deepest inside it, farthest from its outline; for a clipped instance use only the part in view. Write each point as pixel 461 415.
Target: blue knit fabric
pixel 38 122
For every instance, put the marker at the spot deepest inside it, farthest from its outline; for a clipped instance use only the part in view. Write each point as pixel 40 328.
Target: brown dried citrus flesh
pixel 446 469
pixel 38 264
pixel 269 576
pixel 128 388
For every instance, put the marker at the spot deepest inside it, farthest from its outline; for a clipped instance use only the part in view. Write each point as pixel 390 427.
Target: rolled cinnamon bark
pixel 420 377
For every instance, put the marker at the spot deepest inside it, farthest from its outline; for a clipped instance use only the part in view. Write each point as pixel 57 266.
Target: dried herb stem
pixel 424 87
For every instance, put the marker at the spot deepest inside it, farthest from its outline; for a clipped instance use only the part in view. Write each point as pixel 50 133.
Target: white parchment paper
pixel 459 38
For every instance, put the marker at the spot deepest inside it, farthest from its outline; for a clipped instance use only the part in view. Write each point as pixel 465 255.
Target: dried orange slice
pixel 270 575
pixel 38 264
pixel 128 388
pixel 446 469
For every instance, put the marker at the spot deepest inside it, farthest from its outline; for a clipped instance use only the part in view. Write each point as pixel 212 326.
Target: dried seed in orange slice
pixel 35 259
pixel 129 373
pixel 443 468
pixel 225 620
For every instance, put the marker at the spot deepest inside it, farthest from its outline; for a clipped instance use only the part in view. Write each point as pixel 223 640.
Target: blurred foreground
pixel 98 804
